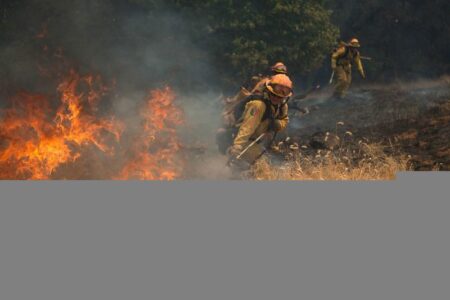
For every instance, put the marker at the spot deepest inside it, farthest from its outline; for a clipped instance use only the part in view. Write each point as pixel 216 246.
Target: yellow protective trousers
pixel 343 79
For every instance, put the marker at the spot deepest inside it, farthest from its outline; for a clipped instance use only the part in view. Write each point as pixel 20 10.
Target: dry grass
pixel 365 162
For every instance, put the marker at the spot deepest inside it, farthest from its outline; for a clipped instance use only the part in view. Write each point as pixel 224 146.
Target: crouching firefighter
pixel 257 116
pixel 278 68
pixel 257 86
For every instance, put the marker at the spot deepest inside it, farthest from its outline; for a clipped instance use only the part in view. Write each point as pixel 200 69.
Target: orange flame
pixel 44 139
pixel 155 152
pixel 33 144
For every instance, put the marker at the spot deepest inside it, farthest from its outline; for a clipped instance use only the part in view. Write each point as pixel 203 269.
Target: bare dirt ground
pixel 372 134
pixel 414 118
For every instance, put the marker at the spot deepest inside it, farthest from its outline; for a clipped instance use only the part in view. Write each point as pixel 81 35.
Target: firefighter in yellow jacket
pixel 341 63
pixel 257 87
pixel 278 68
pixel 265 112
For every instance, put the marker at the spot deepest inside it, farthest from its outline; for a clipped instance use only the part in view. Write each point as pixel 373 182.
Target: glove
pixel 276 125
pixel 234 150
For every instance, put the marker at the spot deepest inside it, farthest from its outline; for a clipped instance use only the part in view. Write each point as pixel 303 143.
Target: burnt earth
pixel 412 119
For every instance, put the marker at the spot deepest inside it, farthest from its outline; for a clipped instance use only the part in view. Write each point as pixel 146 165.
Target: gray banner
pixel 226 240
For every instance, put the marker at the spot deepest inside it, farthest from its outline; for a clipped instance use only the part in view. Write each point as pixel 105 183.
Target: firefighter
pixel 263 113
pixel 341 63
pixel 258 84
pixel 278 68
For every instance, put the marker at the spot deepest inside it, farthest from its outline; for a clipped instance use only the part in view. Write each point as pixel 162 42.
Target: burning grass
pixel 36 139
pixel 367 161
pixel 72 131
pixel 66 136
pixel 154 151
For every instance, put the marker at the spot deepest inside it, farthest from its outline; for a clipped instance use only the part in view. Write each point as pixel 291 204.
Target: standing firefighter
pixel 341 63
pixel 260 114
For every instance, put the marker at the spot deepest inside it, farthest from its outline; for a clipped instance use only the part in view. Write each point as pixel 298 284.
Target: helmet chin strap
pixel 285 101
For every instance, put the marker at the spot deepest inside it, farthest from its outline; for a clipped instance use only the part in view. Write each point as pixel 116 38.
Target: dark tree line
pixel 407 39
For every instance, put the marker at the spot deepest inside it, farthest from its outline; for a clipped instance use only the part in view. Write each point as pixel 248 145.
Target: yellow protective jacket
pixel 256 119
pixel 343 56
pixel 260 86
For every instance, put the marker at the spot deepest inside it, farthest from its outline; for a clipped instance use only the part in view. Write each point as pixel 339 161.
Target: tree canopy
pixel 235 39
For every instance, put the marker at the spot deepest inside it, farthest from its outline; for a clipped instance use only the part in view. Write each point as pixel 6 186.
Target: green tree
pixel 244 37
pixel 247 36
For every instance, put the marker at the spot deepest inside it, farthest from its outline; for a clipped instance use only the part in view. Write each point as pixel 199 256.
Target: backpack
pixel 230 104
pixel 336 47
pixel 344 57
pixel 232 114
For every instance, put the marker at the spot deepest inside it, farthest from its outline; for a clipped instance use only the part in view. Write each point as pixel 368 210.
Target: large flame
pixel 155 151
pixel 36 140
pixel 69 135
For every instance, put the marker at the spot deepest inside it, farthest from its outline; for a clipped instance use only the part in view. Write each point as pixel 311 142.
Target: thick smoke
pixel 137 50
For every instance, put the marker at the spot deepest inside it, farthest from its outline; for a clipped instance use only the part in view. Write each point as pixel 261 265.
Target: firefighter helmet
pixel 279 68
pixel 280 85
pixel 354 43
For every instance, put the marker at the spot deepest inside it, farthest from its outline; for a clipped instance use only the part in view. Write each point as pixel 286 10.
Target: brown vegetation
pixel 367 161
